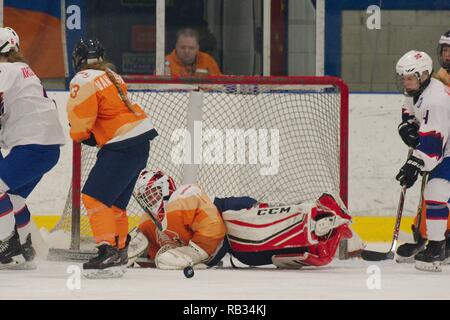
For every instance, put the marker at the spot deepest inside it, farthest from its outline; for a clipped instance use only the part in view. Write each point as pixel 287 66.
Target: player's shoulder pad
pixel 11 68
pixel 185 191
pixel 86 76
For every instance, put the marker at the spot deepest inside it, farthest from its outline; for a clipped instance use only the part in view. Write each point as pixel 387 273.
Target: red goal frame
pixel 223 80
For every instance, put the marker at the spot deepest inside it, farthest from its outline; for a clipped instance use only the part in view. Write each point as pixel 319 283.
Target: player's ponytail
pixel 14 56
pixel 106 67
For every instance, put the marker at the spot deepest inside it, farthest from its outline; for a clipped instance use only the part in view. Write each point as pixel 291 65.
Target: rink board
pixel 370 229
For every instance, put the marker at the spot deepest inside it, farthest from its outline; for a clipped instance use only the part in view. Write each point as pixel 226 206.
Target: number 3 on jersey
pixel 74 91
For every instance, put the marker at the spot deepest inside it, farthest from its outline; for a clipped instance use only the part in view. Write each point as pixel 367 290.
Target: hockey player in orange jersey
pixel 183 227
pixel 101 114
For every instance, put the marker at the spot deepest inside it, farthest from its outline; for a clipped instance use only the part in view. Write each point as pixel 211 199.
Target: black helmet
pixel 86 50
pixel 444 41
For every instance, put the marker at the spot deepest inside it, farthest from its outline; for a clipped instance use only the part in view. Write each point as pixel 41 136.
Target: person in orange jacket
pixel 101 114
pixel 187 60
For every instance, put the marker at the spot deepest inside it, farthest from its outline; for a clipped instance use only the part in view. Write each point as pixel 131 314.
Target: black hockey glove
pixel 409 132
pixel 90 141
pixel 409 172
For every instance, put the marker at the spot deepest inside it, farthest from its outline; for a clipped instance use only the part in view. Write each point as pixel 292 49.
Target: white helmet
pixel 15 37
pixel 9 40
pixel 414 63
pixel 444 41
pixel 153 189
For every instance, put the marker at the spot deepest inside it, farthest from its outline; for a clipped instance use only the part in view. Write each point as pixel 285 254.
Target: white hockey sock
pixel 24 232
pixel 7 221
pixel 22 217
pixel 436 229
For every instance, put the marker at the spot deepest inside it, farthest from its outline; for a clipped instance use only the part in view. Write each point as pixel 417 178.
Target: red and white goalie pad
pixel 316 226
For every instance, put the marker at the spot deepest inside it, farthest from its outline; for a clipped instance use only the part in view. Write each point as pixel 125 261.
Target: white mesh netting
pixel 307 119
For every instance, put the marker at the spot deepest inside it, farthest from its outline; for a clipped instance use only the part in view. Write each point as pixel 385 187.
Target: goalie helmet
pixel 88 51
pixel 414 63
pixel 9 40
pixel 153 190
pixel 444 42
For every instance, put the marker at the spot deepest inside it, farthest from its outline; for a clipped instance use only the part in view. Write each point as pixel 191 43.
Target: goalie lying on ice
pixel 184 227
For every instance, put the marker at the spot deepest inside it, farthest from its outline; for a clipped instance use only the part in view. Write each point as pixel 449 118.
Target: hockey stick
pixel 416 229
pixel 369 255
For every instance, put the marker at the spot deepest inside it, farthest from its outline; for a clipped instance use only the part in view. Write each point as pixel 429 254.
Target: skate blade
pixel 15 264
pixel 428 266
pixel 401 259
pixel 113 272
pixel 27 265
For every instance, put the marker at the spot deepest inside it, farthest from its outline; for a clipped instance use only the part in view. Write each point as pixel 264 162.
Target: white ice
pixel 348 279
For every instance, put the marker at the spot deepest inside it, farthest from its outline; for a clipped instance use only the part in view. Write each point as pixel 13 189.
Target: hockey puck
pixel 188 272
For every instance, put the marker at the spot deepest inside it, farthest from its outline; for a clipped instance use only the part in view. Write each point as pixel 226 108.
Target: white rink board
pixel 376 152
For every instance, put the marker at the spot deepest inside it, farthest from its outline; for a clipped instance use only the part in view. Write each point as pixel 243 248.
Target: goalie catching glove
pixel 174 258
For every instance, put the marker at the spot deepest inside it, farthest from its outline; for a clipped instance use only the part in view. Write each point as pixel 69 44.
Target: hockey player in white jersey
pixel 31 131
pixel 425 127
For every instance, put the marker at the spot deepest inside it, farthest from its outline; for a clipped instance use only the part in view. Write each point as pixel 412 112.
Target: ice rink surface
pixel 342 279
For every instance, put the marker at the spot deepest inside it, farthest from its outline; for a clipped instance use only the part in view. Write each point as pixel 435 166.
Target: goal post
pixel 277 139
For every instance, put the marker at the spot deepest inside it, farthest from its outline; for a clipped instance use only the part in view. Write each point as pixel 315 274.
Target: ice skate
pixel 106 265
pixel 406 252
pixel 11 256
pixel 431 258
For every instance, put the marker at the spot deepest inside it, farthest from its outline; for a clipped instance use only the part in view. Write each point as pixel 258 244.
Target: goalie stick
pixel 369 255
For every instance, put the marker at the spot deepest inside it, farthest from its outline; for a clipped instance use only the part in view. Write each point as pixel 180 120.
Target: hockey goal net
pixel 277 139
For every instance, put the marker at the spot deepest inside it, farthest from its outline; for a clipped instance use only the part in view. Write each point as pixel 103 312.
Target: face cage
pixel 151 198
pixel 444 64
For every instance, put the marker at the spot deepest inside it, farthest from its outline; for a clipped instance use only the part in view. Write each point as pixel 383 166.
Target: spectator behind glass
pixel 188 14
pixel 187 60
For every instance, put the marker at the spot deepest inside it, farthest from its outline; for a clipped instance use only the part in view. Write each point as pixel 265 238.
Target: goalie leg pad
pixel 137 247
pixel 274 228
pixel 318 255
pixel 269 228
pixel 180 257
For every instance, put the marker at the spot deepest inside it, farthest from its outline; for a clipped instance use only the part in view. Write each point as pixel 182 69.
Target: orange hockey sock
pixel 121 225
pixel 102 220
